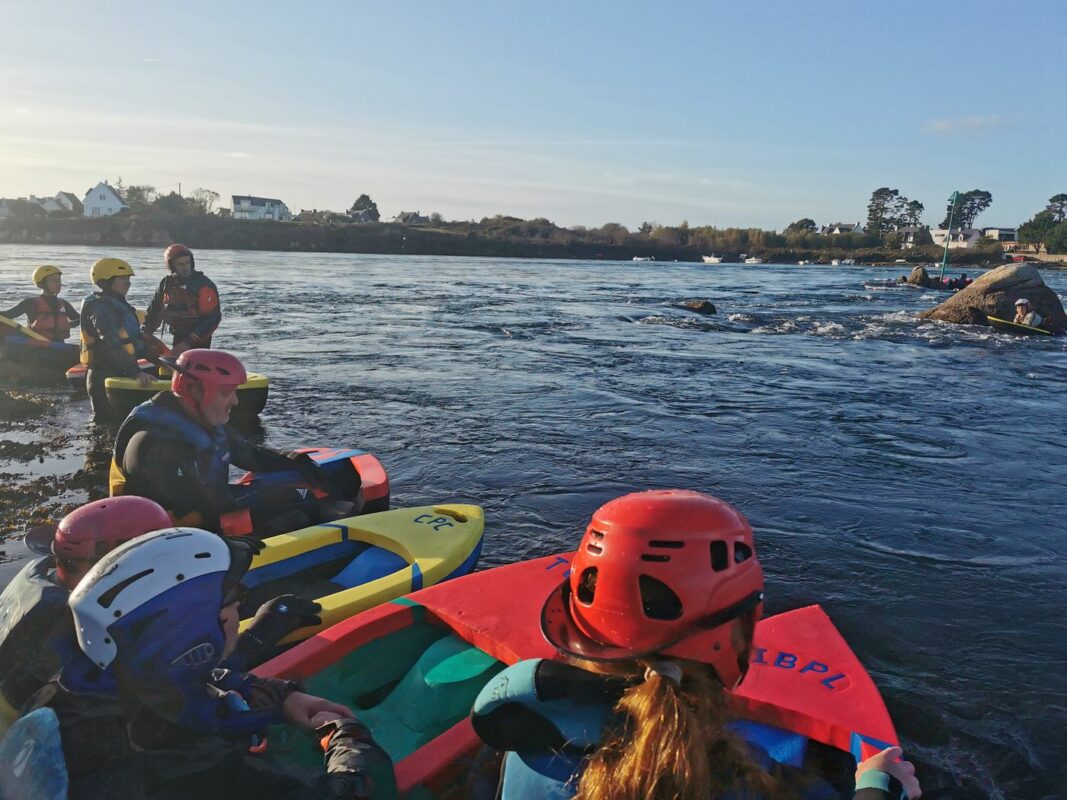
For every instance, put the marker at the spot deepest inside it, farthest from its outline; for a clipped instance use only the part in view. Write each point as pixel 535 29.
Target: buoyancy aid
pixel 33 609
pixel 50 318
pixel 163 413
pixel 125 320
pixel 185 304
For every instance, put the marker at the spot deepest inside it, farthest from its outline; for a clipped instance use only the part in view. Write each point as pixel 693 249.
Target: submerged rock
pixel 705 307
pixel 994 294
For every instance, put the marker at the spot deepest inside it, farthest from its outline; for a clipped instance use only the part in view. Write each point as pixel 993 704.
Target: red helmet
pixel 212 369
pixel 662 572
pixel 87 533
pixel 174 251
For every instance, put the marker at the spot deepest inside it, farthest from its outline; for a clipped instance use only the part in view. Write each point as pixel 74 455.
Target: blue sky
pixel 741 113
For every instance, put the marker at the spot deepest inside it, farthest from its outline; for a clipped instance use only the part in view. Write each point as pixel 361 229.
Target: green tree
pixel 1057 204
pixel 364 203
pixel 968 206
pixel 913 212
pixel 174 203
pixel 614 233
pixel 646 228
pixel 140 197
pixel 922 238
pixel 203 200
pixel 881 210
pixel 1036 231
pixel 804 225
pixel 1056 241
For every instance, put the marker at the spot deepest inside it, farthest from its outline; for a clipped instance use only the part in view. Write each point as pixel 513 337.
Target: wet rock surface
pixel 994 295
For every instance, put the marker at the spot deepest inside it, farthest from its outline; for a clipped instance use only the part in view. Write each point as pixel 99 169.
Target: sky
pixel 744 113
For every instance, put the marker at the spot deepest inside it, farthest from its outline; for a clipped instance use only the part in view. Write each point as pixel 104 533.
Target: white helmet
pixel 156 574
pixel 1022 301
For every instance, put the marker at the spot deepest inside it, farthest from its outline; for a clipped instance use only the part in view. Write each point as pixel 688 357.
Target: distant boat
pixel 848 262
pixel 712 259
pixel 753 260
pixel 803 263
pixel 644 258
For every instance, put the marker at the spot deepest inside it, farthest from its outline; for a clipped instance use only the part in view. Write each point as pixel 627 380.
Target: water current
pixel 905 474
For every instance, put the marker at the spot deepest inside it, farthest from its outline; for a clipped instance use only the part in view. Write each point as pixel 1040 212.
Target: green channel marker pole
pixel 948 236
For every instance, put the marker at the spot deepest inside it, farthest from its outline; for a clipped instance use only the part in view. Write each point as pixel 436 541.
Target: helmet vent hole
pixel 598 535
pixel 658 599
pixel 594 548
pixel 202 555
pixel 587 586
pixel 742 552
pixel 666 545
pixel 659 558
pixel 109 597
pixel 720 556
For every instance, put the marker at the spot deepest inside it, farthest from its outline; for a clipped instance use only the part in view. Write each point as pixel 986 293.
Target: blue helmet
pixel 147 617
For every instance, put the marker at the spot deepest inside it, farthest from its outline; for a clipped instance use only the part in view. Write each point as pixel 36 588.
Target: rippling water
pixel 905 474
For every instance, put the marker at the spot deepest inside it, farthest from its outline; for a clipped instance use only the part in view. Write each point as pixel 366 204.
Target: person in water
pixel 1026 315
pixel 33 606
pixel 146 707
pixel 177 449
pixel 186 301
pixel 655 622
pixel 111 340
pixel 47 314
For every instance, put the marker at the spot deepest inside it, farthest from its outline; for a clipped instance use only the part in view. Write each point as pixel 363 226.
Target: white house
pixel 1000 234
pixel 49 204
pixel 70 202
pixel 410 218
pixel 102 201
pixel 841 227
pixel 961 238
pixel 249 207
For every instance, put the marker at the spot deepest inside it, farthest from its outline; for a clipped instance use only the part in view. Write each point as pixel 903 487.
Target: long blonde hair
pixel 671 742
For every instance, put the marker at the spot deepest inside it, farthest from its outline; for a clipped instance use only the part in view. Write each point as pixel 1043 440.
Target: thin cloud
pixel 963 124
pixel 239 155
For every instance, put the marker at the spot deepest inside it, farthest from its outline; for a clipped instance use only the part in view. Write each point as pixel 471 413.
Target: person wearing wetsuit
pixel 33 607
pixel 186 301
pixel 655 619
pixel 177 449
pixel 111 340
pixel 47 314
pixel 145 708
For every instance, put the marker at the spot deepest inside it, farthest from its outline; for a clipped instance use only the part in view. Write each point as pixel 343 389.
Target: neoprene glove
pixel 309 470
pixel 273 622
pixel 352 753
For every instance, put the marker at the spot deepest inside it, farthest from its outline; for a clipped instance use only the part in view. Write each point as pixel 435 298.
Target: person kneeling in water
pixel 145 708
pixel 655 637
pixel 33 607
pixel 177 449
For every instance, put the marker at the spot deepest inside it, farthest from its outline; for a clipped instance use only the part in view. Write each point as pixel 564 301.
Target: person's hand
pixel 281 616
pixel 890 762
pixel 309 470
pixel 144 379
pixel 310 712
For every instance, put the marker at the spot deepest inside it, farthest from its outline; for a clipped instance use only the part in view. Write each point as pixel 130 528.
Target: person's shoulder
pixel 205 281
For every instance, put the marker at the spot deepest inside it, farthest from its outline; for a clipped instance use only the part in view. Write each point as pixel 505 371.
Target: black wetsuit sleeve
pixel 72 315
pixel 246 455
pixel 164 469
pixel 110 341
pixel 26 307
pixel 154 315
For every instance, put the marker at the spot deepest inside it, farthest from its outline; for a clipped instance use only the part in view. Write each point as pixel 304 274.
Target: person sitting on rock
pixel 48 313
pixel 186 301
pixel 1025 315
pixel 177 449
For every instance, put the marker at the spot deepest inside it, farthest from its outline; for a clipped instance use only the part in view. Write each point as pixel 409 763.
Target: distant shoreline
pixel 447 239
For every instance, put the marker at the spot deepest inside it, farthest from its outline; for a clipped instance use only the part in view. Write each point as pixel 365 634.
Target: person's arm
pixel 164 469
pixel 257 458
pixel 207 302
pixel 111 340
pixel 72 315
pixel 23 308
pixel 154 315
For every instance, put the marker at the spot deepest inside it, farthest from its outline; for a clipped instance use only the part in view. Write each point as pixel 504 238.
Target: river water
pixel 905 474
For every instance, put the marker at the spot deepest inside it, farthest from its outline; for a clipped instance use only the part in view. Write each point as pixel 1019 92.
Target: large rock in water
pixel 920 277
pixel 699 306
pixel 994 294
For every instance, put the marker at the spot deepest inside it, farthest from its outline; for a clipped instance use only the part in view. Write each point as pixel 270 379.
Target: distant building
pixel 249 207
pixel 1000 234
pixel 363 215
pixel 70 202
pixel 49 204
pixel 841 227
pixel 102 201
pixel 5 208
pixel 410 218
pixel 908 234
pixel 960 238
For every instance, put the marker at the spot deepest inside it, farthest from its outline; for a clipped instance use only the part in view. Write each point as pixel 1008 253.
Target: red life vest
pixel 50 322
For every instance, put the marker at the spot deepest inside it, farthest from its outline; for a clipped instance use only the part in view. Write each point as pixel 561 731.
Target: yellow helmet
pixel 107 268
pixel 45 271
